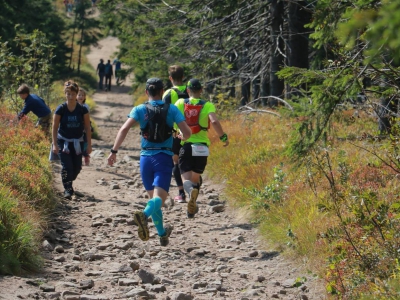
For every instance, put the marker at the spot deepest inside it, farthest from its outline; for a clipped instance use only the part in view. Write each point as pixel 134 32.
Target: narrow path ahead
pixel 92 250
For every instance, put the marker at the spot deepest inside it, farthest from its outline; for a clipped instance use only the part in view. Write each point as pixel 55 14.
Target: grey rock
pixel 289 283
pixel 303 297
pixel 89 297
pixel 118 268
pixel 214 202
pixel 59 249
pixel 181 296
pixel 214 196
pixel 221 267
pixel 103 246
pixel 253 253
pixel 146 276
pixel 47 246
pixel 124 246
pixel 59 258
pixel 134 265
pixel 86 284
pixel 252 293
pixel 215 285
pixel 55 295
pixel 238 239
pixel 115 186
pixel 127 282
pixel 158 288
pixel 93 273
pixel 218 208
pixel 120 214
pixel 179 273
pixel 97 153
pixel 197 285
pixel 90 256
pixel 260 278
pixel 47 288
pixel 137 292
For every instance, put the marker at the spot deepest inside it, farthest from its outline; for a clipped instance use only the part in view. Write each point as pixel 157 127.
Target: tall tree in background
pixel 25 17
pixel 297 50
pixel 277 49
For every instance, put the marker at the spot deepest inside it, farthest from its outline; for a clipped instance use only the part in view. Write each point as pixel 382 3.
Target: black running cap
pixel 154 84
pixel 194 84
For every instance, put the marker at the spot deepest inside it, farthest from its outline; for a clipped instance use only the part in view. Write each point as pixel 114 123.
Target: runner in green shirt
pixel 199 115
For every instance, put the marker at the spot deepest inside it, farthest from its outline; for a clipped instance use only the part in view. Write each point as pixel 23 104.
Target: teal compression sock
pixel 157 216
pixel 149 210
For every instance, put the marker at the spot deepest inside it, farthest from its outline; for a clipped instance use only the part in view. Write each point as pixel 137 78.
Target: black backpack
pixel 181 95
pixel 157 129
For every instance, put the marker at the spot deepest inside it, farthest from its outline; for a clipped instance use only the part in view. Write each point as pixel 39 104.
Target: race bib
pixel 200 150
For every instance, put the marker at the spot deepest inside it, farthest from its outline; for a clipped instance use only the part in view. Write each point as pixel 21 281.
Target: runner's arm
pixel 121 135
pixel 86 119
pixel 56 124
pixel 217 126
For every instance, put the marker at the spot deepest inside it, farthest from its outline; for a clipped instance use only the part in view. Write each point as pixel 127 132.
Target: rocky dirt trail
pixel 92 250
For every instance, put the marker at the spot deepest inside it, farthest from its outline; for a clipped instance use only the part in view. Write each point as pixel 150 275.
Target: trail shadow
pixel 120 202
pixel 113 104
pixel 245 226
pixel 109 146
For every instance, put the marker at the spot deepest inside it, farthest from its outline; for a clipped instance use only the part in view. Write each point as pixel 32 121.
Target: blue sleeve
pixel 27 108
pixel 135 113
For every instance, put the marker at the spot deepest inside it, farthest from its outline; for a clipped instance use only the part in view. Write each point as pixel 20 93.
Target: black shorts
pixel 176 146
pixel 188 163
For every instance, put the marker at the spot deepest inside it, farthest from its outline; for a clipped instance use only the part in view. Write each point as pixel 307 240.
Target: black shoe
pixel 67 195
pixel 164 240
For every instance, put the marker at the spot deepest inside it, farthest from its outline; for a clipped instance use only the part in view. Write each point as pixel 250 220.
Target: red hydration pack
pixel 192 115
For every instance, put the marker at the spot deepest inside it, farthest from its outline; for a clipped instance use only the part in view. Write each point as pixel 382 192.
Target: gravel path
pixel 92 250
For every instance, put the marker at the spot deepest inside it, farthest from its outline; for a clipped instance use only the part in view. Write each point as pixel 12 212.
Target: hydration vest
pixel 192 115
pixel 157 129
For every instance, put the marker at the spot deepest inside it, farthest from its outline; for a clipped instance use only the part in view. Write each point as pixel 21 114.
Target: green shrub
pixel 26 194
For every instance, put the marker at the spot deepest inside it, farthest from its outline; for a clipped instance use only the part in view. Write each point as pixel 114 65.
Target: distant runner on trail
pixel 101 71
pixel 108 69
pixel 117 65
pixel 172 95
pixel 193 155
pixel 156 119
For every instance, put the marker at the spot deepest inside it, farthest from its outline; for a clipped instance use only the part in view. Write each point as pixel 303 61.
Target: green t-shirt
pixel 202 136
pixel 171 96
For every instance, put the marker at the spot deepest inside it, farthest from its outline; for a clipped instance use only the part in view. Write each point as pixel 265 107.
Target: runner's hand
pixel 55 149
pixel 89 149
pixel 112 158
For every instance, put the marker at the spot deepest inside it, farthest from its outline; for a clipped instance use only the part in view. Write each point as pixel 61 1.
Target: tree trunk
pixel 297 50
pixel 72 42
pixel 277 48
pixel 80 46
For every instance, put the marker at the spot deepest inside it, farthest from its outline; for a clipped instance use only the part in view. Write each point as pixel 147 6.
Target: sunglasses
pixel 69 83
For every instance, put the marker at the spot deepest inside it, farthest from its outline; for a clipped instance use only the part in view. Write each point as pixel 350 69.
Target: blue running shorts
pixel 156 171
